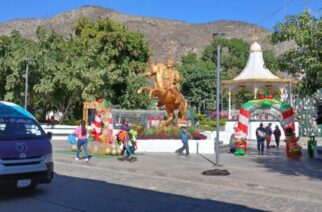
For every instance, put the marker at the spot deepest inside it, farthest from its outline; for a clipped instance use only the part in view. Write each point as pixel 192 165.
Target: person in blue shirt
pixel 185 141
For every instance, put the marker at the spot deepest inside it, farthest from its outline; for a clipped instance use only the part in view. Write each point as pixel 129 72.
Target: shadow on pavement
pixel 77 194
pixel 277 161
pixel 207 159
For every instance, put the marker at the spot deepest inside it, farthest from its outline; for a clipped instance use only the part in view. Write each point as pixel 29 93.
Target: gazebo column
pixel 229 103
pixel 282 94
pixel 291 95
pixel 255 92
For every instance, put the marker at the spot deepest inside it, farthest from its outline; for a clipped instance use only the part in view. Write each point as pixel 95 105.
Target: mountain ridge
pixel 167 38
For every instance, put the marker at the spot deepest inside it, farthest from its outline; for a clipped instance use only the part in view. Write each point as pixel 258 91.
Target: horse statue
pixel 166 90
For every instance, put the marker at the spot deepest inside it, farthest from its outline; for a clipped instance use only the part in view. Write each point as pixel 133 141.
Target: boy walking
pixel 185 141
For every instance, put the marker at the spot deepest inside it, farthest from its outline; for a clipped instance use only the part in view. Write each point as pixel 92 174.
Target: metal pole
pixel 26 85
pixel 217 101
pixel 291 95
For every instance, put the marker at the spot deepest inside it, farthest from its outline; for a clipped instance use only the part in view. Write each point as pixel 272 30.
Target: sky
pixel 265 13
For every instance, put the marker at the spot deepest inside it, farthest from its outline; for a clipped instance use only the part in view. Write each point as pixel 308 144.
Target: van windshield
pixel 20 129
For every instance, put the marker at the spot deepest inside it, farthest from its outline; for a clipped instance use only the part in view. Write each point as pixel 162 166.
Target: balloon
pixel 107 151
pixel 266 104
pixel 114 152
pixel 74 148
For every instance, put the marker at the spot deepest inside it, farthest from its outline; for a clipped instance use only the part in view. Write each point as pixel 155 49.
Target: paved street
pixel 167 182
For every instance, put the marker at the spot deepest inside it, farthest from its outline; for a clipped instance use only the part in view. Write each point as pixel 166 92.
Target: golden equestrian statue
pixel 166 90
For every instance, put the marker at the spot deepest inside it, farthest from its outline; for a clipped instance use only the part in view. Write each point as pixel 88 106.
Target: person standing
pixel 277 135
pixel 269 133
pixel 185 141
pixel 125 129
pixel 260 136
pixel 81 134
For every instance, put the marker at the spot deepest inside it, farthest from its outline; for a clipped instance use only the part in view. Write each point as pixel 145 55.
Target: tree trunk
pixel 65 111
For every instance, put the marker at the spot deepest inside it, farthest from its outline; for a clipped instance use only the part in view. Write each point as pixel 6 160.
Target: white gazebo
pixel 255 76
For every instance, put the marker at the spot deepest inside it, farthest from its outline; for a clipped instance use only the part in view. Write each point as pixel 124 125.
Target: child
pixel 185 141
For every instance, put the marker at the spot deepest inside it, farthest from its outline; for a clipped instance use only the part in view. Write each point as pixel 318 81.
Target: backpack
pixel 261 134
pixel 71 139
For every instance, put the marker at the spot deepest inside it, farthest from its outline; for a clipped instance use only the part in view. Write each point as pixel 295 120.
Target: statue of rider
pixel 171 81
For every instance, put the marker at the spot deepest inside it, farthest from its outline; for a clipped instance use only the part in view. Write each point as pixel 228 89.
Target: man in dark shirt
pixel 277 135
pixel 260 136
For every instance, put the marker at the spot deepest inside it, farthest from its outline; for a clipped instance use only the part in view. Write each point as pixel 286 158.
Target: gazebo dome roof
pixel 255 47
pixel 255 67
pixel 255 74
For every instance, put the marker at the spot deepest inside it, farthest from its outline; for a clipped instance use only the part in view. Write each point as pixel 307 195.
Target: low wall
pixel 60 132
pixel 204 146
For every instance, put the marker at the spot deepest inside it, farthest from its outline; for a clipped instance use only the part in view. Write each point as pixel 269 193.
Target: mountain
pixel 168 38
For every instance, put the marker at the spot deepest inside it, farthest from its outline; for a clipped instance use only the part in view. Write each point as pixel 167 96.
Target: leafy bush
pixel 211 123
pixel 198 136
pixel 147 132
pixel 206 128
pixel 222 122
pixel 137 127
pixel 71 122
pixel 200 117
pixel 172 132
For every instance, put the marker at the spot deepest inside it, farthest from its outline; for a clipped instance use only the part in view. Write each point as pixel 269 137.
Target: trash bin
pixel 311 144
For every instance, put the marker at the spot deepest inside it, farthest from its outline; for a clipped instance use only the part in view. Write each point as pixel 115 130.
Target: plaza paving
pixel 167 182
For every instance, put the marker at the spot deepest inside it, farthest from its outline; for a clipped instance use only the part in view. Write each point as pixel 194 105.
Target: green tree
pixel 61 84
pixel 15 53
pixel 198 80
pixel 130 99
pixel 100 59
pixel 234 55
pixel 306 31
pixel 113 54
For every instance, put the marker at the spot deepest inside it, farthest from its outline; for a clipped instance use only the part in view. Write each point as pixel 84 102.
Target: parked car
pixel 25 149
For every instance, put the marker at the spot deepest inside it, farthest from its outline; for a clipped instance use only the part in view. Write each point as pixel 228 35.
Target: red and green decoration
pixel 102 127
pixel 266 95
pixel 284 110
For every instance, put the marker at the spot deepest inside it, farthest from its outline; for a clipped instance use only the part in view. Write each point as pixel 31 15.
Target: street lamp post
pixel 217 34
pixel 26 85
